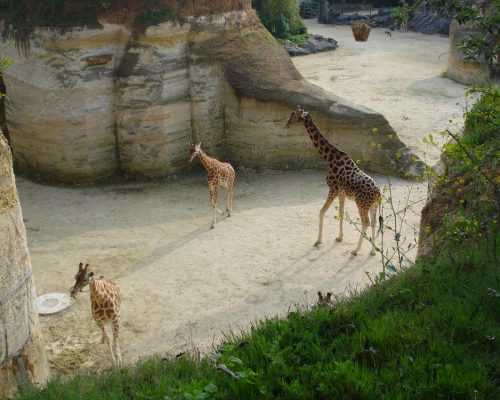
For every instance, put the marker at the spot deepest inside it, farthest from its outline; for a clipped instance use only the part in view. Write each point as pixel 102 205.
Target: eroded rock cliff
pixel 22 351
pixel 87 104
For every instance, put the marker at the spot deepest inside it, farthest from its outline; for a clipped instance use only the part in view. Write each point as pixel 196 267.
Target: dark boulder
pixel 381 21
pixel 430 23
pixel 315 44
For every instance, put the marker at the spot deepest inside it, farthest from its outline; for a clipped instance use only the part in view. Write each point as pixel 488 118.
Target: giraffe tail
pixel 380 217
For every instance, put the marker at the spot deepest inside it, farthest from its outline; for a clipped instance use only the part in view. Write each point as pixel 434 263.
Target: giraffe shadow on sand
pixel 163 251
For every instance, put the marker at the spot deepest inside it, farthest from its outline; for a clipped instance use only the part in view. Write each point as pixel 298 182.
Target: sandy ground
pixel 184 284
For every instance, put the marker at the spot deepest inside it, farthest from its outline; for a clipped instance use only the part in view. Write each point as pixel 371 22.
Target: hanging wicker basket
pixel 361 31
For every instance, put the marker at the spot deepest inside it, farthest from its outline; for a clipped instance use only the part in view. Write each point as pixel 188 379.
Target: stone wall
pixel 22 352
pixel 88 104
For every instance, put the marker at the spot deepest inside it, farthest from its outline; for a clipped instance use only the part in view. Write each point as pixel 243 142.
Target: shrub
pixel 280 17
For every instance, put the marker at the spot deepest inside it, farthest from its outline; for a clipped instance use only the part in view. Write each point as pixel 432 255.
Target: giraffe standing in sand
pixel 344 179
pixel 105 300
pixel 218 174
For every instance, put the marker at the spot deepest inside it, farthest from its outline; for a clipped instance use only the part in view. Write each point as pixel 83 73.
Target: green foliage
pixel 483 42
pixel 5 63
pixel 482 122
pixel 154 17
pixel 26 14
pixel 402 14
pixel 280 17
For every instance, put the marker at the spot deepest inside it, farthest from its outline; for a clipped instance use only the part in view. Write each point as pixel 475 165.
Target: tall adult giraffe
pixel 344 178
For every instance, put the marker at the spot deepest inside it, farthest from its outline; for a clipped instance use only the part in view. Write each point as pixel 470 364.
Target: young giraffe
pixel 344 179
pixel 324 300
pixel 218 174
pixel 105 300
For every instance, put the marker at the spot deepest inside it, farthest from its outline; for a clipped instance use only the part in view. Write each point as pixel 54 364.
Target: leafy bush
pixel 483 120
pixel 484 41
pixel 280 17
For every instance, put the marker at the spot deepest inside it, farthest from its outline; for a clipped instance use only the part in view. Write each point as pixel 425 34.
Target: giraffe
pixel 218 174
pixel 105 300
pixel 324 300
pixel 344 179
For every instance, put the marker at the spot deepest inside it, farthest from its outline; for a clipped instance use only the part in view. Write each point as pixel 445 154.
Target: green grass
pixel 155 17
pixel 430 332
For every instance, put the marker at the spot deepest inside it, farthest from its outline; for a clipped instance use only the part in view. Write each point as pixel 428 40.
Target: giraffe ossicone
pixel 324 300
pixel 344 179
pixel 105 301
pixel 218 174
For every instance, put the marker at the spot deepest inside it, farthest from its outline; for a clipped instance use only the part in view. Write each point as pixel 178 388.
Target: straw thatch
pixel 361 31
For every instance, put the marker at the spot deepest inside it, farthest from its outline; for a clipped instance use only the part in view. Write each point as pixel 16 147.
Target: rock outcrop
pixel 463 70
pixel 22 351
pixel 88 104
pixel 315 44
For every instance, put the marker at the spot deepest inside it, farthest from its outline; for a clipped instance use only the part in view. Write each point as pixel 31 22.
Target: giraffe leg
pixel 341 217
pixel 105 335
pixel 373 218
pixel 214 192
pixel 329 200
pixel 365 222
pixel 116 344
pixel 106 338
pixel 229 205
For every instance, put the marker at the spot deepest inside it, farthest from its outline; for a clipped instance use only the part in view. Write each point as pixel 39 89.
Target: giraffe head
pixel 324 300
pixel 83 278
pixel 194 150
pixel 296 117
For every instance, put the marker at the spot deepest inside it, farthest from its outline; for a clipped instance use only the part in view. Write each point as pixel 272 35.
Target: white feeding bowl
pixel 51 303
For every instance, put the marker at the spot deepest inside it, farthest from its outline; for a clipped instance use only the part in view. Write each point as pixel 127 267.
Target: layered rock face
pixel 88 104
pixel 465 71
pixel 22 352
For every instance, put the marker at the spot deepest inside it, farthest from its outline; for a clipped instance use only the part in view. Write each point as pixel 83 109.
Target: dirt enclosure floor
pixel 184 284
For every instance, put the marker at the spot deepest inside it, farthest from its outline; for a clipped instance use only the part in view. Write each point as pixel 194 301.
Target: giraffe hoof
pixel 318 242
pixel 373 252
pixel 212 226
pixel 354 253
pixel 339 239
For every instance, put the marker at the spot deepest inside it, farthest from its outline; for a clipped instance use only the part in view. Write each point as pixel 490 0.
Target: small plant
pixel 281 18
pixel 155 17
pixel 402 15
pixel 484 41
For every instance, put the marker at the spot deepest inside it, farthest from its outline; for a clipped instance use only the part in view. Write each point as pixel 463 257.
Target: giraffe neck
pixel 205 160
pixel 320 142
